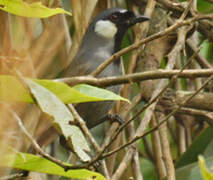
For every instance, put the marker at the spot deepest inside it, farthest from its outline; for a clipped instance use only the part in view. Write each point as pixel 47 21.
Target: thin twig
pixel 127 158
pixel 185 12
pixel 157 150
pixel 12 176
pixel 200 59
pixel 83 126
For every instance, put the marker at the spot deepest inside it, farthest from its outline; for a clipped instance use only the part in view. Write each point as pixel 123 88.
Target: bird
pixel 102 39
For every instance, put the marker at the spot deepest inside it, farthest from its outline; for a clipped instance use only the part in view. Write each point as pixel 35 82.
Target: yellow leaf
pixel 207 175
pixel 33 10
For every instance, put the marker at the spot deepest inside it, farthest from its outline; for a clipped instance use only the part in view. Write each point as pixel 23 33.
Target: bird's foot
pixel 115 118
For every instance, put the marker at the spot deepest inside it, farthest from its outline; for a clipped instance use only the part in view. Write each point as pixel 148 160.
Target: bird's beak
pixel 138 19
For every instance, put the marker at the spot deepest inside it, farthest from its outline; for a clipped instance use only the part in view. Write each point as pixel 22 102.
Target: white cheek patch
pixel 123 11
pixel 105 29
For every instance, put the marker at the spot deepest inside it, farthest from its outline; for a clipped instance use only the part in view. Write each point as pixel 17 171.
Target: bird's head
pixel 115 22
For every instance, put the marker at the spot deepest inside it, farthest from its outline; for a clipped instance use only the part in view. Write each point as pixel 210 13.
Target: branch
pixel 208 116
pixel 203 100
pixel 200 59
pixel 136 77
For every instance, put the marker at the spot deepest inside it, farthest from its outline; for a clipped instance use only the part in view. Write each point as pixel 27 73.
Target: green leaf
pixel 204 171
pixel 98 93
pixel 33 10
pixel 204 6
pixel 79 93
pixel 148 169
pixel 35 163
pixel 12 90
pixel 61 117
pixel 197 147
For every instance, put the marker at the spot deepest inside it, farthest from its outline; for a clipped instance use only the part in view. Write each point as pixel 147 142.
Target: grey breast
pixel 86 61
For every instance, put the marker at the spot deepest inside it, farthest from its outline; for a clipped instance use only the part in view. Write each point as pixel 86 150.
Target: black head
pixel 122 17
pixel 115 21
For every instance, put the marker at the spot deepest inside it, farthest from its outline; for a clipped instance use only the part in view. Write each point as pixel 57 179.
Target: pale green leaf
pixel 61 117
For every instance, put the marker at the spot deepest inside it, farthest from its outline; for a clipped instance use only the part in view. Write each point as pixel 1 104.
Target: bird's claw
pixel 116 118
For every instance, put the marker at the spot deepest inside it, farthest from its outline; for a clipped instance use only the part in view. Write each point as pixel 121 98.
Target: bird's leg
pixel 115 118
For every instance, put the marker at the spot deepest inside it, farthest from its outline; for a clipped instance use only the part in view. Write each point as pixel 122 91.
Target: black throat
pixel 118 41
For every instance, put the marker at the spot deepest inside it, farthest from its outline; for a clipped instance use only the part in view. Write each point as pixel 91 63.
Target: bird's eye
pixel 114 17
